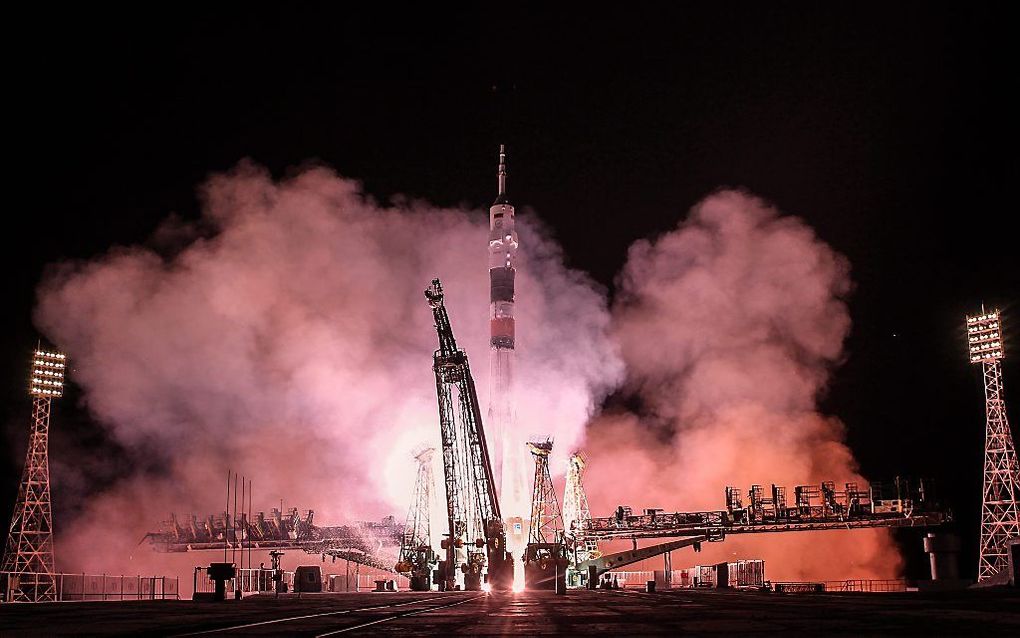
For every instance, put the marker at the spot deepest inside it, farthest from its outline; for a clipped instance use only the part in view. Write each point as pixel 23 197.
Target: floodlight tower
pixel 1001 487
pixel 28 556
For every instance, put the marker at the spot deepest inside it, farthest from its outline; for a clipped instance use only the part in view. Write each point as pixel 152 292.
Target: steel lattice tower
pixel 546 517
pixel 575 508
pixel 418 529
pixel 1001 485
pixel 416 554
pixel 28 556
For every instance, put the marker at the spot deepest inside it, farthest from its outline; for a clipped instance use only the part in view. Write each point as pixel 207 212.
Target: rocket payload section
pixel 502 273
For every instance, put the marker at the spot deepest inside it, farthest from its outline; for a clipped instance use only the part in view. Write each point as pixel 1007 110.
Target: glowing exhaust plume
pixel 729 327
pixel 284 336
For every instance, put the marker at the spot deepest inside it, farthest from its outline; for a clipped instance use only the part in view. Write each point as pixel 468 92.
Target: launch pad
pixel 711 612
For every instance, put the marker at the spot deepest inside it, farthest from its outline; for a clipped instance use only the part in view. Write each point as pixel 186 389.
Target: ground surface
pixel 627 613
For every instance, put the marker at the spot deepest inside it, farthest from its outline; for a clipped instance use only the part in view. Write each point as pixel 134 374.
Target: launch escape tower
pixel 472 506
pixel 28 556
pixel 502 272
pixel 416 556
pixel 575 510
pixel 1001 485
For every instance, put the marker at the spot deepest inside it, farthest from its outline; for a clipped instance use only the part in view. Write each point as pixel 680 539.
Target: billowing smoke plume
pixel 286 336
pixel 729 327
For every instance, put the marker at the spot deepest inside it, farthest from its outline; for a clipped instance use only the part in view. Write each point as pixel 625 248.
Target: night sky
pixel 891 130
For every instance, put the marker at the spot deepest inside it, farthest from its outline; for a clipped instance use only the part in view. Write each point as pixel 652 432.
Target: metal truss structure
pixel 475 522
pixel 417 557
pixel 28 555
pixel 374 544
pixel 816 508
pixel 546 518
pixel 1000 488
pixel 575 508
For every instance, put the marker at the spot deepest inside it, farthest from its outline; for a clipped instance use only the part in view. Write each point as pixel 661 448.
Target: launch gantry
pixel 417 558
pixel 472 506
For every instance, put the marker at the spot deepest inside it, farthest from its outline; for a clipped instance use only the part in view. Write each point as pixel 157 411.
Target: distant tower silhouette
pixel 1001 487
pixel 29 552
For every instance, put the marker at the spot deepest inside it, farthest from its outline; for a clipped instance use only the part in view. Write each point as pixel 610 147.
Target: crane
pixel 476 539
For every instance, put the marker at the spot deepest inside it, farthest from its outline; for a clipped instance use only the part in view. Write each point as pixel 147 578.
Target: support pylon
pixel 546 518
pixel 28 555
pixel 575 509
pixel 1000 521
pixel 417 558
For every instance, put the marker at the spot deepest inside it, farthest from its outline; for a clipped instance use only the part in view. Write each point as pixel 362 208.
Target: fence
pixel 261 581
pixel 77 587
pixel 867 585
pixel 632 579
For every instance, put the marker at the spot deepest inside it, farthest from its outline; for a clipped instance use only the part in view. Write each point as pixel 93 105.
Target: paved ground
pixel 630 613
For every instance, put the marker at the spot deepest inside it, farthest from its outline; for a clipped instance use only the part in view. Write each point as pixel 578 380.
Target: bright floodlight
pixel 984 336
pixel 47 374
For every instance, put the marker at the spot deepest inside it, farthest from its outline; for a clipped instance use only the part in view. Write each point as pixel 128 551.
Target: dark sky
pixel 891 129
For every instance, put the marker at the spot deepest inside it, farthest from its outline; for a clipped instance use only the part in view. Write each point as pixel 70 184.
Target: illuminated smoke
pixel 729 327
pixel 286 336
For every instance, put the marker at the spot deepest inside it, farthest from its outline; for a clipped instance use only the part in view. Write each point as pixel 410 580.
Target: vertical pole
pixel 247 529
pixel 243 525
pixel 233 524
pixel 226 511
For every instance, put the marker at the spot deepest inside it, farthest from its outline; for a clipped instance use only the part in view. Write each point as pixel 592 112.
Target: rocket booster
pixel 502 262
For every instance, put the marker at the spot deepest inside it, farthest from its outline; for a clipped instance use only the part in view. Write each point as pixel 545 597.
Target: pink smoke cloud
pixel 729 327
pixel 287 337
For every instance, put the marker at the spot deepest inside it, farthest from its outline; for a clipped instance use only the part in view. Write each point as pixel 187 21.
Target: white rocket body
pixel 503 438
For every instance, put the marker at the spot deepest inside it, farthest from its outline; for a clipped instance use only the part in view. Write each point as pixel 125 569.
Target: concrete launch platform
pixel 580 613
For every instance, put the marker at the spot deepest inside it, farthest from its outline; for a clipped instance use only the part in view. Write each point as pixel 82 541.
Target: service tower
pixel 502 270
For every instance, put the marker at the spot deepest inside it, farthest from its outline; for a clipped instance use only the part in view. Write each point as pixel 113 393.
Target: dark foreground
pixel 582 613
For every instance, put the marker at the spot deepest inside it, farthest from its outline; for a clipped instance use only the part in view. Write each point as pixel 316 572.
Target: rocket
pixel 502 271
pixel 502 258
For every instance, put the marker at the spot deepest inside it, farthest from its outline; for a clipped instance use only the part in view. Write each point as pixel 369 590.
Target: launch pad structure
pixel 483 486
pixel 476 538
